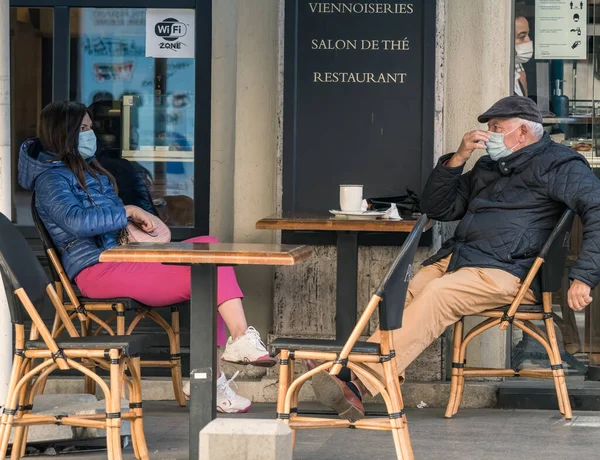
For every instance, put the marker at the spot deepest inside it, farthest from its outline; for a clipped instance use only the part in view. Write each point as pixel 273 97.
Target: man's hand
pixel 471 141
pixel 579 295
pixel 140 217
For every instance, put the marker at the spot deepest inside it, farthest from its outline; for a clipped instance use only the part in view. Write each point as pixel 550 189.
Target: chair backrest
pixel 47 242
pixel 555 252
pixel 20 269
pixel 392 289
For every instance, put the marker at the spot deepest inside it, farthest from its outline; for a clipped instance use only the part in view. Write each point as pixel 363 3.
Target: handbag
pixel 408 204
pixel 133 233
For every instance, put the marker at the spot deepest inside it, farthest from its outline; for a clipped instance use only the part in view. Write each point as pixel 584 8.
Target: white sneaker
pixel 228 401
pixel 248 349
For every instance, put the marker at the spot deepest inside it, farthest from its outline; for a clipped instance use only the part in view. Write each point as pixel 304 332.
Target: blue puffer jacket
pixel 80 228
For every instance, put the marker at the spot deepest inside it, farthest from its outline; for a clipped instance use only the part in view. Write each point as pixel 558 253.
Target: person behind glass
pixel 523 53
pixel 78 203
pixel 129 178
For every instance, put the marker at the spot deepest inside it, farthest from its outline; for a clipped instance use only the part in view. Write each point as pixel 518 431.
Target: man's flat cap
pixel 513 107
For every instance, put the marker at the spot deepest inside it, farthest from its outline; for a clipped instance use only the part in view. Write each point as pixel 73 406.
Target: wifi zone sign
pixel 171 30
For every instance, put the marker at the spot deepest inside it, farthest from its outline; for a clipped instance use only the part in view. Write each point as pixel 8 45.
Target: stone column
pixel 224 78
pixel 256 129
pixel 5 189
pixel 478 49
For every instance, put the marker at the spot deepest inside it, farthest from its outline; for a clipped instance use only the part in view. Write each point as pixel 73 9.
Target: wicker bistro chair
pixel 86 307
pixel 389 297
pixel 550 264
pixel 24 279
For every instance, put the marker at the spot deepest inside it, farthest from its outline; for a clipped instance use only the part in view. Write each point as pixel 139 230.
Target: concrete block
pixel 72 404
pixel 239 439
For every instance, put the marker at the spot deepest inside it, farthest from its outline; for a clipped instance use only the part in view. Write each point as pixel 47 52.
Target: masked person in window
pixel 523 53
pixel 508 205
pixel 130 178
pixel 77 201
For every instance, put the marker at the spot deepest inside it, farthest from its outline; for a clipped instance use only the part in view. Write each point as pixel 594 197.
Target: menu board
pixel 560 29
pixel 358 99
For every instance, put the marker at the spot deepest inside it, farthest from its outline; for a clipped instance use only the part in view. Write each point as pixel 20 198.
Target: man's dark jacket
pixel 509 207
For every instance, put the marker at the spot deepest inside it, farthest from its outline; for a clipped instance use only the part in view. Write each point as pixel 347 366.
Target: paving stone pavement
pixel 474 434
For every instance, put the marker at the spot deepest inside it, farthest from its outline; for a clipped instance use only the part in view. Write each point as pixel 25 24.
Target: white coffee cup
pixel 351 197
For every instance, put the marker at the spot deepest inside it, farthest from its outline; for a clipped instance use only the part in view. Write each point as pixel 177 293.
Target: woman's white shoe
pixel 228 401
pixel 248 349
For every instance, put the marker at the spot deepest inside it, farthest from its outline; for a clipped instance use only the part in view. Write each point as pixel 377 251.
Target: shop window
pixel 556 64
pixel 143 109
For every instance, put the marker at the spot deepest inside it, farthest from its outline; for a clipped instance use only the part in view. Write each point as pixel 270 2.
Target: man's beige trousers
pixel 436 300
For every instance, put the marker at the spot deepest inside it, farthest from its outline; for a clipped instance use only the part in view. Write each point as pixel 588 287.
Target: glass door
pixel 556 64
pixel 150 104
pixel 142 106
pixel 144 73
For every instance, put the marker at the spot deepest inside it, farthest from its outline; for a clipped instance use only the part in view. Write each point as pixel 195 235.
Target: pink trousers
pixel 155 284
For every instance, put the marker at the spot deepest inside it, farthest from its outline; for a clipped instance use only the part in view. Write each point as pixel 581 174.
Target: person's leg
pixel 229 295
pixel 420 281
pixel 245 345
pixel 152 284
pixel 344 392
pixel 158 285
pixel 444 301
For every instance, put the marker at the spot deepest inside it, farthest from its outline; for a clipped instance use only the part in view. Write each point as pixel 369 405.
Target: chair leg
pixel 28 401
pixel 89 384
pixel 452 406
pixel 559 373
pixel 135 400
pixel 294 408
pixel 113 407
pixel 175 348
pixel 6 419
pixel 397 417
pixel 20 436
pixel 120 310
pixel 284 384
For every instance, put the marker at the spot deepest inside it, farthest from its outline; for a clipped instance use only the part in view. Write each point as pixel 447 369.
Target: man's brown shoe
pixel 335 394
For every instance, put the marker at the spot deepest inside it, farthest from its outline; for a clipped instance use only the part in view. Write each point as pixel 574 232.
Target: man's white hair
pixel 537 129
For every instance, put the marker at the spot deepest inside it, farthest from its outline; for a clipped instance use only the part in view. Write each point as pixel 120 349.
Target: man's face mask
pixel 524 52
pixel 496 148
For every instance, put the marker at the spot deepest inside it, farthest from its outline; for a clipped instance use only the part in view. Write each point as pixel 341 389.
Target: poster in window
pixel 560 29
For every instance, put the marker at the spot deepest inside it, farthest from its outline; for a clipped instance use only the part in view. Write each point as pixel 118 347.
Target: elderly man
pixel 508 205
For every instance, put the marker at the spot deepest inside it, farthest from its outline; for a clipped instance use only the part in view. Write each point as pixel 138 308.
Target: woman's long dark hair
pixel 58 130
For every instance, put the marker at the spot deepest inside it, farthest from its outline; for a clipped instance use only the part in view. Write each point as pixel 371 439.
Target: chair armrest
pixel 510 313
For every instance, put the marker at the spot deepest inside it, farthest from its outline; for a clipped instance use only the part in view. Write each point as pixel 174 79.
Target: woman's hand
pixel 140 217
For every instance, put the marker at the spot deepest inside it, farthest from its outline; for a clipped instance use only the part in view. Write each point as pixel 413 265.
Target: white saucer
pixel 357 215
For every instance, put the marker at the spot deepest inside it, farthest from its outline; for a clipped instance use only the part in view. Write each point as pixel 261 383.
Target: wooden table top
pixel 208 253
pixel 327 222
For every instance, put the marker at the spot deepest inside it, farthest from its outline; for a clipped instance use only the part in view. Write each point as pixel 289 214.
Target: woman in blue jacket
pixel 77 201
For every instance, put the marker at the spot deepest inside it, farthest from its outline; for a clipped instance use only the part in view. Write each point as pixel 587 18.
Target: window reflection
pixel 143 110
pixel 562 76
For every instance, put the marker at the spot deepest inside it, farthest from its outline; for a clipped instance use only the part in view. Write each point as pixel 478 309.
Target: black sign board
pixel 358 99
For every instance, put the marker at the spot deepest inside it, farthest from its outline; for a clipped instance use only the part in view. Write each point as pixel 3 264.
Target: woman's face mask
pixel 87 144
pixel 496 148
pixel 524 52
